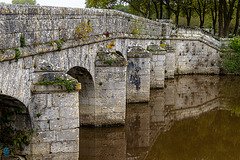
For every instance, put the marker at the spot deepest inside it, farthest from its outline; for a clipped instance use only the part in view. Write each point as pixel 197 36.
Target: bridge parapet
pixel 39 24
pixel 197 33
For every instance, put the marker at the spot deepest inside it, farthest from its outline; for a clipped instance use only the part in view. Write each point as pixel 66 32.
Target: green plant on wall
pixel 17 54
pixel 70 85
pixel 59 45
pixel 231 59
pixel 137 28
pixel 83 31
pixel 22 41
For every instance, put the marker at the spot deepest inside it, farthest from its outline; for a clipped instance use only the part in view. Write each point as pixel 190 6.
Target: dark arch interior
pixel 14 120
pixel 86 94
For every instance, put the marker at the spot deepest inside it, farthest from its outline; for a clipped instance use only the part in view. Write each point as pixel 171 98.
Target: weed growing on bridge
pixel 17 54
pixel 22 41
pixel 38 115
pixel 59 45
pixel 163 45
pixel 68 84
pixel 109 46
pixel 83 31
pixel 110 61
pixel 136 28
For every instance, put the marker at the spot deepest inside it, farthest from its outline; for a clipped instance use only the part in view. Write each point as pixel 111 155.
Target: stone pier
pixel 138 75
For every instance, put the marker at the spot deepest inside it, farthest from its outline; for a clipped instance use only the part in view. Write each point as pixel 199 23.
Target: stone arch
pixel 86 95
pixel 14 117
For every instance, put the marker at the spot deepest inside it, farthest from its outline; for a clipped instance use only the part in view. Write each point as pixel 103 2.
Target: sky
pixel 58 3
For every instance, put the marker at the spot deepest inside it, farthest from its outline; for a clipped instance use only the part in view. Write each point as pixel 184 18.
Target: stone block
pixel 63 123
pixel 40 148
pixel 66 112
pixel 61 156
pixel 65 99
pixel 66 146
pixel 68 135
pixel 45 136
pixel 41 125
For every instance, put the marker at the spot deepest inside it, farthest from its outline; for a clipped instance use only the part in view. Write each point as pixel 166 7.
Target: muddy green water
pixel 193 117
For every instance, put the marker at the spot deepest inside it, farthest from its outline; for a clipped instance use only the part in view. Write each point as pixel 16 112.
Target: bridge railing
pixel 195 32
pixel 41 24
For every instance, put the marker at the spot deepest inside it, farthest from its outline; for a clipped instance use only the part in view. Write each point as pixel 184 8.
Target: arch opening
pixel 15 124
pixel 86 95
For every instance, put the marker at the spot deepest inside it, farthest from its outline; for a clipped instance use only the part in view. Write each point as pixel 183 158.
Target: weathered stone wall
pixel 44 24
pixel 138 75
pixel 170 60
pixel 157 67
pixel 110 108
pixel 55 118
pixel 193 56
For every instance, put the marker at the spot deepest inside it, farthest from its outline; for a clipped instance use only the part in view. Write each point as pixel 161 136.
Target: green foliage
pixel 26 2
pixel 17 54
pixel 22 41
pixel 235 44
pixel 231 60
pixel 110 61
pixel 83 31
pixel 13 138
pixel 59 45
pixel 38 115
pixel 150 50
pixel 137 28
pixel 70 85
pixel 101 3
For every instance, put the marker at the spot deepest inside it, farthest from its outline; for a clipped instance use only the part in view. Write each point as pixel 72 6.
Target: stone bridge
pixel 117 63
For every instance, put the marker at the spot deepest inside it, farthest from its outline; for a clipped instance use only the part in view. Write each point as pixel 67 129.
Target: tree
pixel 26 2
pixel 187 10
pixel 142 7
pixel 158 5
pixel 237 19
pixel 220 18
pixel 201 9
pixel 175 7
pixel 101 3
pixel 228 10
pixel 214 13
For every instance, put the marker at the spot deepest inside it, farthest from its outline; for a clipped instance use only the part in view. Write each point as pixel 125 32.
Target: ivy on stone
pixel 17 54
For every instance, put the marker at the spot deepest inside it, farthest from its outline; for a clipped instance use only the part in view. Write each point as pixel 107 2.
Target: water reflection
pixel 185 120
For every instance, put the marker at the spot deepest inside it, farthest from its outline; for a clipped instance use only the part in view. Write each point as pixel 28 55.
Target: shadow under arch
pixel 14 120
pixel 86 95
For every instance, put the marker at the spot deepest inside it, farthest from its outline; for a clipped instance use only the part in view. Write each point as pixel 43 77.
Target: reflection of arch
pixel 86 94
pixel 18 117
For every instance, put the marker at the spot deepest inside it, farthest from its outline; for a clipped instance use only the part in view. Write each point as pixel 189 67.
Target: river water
pixel 193 117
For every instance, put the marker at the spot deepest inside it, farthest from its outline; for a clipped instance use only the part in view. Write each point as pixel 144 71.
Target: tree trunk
pixel 156 9
pixel 161 9
pixel 237 19
pixel 214 16
pixel 220 18
pixel 189 16
pixel 176 18
pixel 226 29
